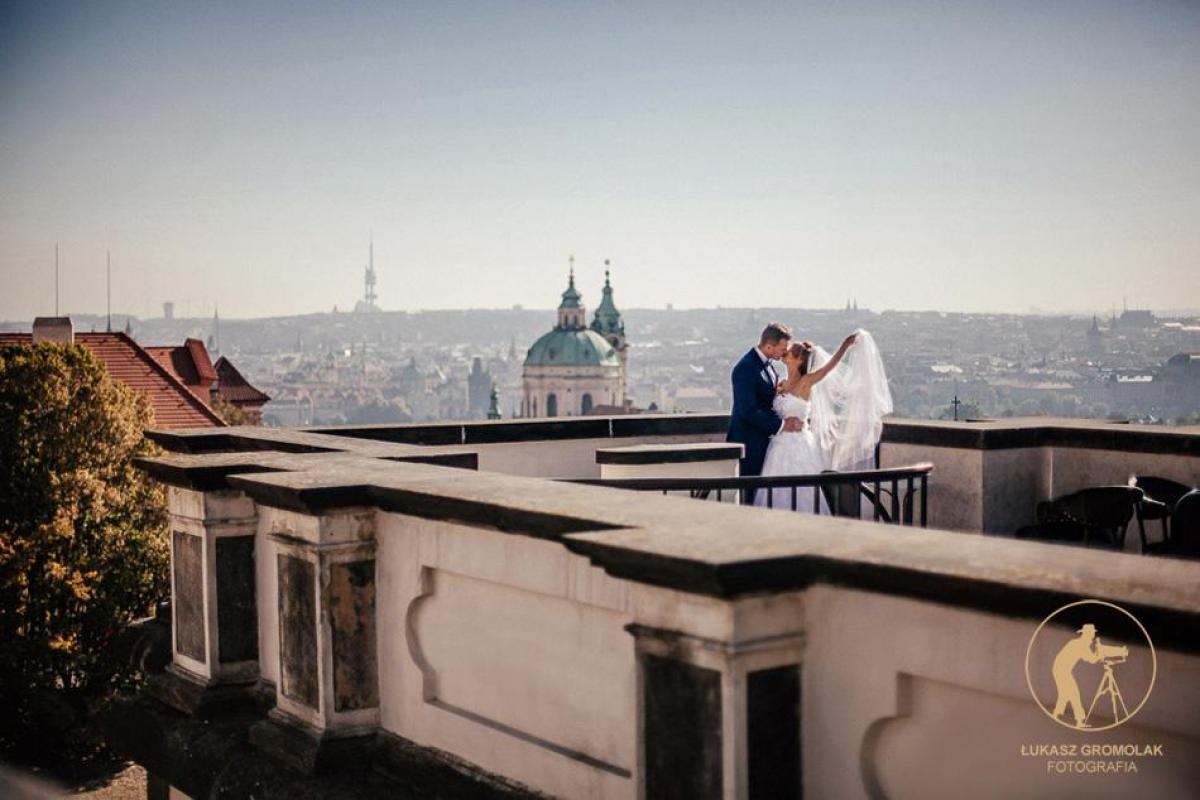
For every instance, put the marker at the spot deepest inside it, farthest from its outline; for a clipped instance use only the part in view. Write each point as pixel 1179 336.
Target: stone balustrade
pixel 528 636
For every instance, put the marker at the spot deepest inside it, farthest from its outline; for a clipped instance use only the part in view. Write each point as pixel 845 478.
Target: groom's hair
pixel 774 333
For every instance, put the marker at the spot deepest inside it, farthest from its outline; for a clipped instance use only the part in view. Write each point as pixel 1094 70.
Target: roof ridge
pixel 238 376
pixel 145 357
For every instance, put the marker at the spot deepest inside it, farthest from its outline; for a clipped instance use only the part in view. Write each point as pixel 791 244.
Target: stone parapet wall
pixel 581 641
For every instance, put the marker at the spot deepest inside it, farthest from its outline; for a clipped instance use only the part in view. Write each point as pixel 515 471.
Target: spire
pixel 607 321
pixel 571 297
pixel 571 314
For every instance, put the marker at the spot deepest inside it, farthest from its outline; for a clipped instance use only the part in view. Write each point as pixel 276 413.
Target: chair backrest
pixel 1164 490
pixel 1185 527
pixel 1102 506
pixel 1102 510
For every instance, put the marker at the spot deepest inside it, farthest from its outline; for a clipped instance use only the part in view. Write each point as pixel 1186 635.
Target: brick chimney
pixel 53 329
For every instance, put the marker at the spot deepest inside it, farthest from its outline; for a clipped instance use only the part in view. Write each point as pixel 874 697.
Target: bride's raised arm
pixel 817 375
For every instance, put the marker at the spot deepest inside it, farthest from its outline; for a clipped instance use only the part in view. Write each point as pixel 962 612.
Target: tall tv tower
pixel 369 295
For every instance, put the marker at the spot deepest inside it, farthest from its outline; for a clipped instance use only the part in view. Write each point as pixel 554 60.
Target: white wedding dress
pixel 843 422
pixel 793 453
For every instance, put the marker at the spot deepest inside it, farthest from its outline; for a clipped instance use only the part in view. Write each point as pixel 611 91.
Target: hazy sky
pixel 951 155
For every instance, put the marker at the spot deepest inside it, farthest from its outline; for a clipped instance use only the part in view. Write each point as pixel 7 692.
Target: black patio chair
pixel 1185 528
pixel 1097 516
pixel 1161 495
pixel 843 499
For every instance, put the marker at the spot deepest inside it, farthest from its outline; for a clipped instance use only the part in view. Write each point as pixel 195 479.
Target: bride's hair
pixel 803 352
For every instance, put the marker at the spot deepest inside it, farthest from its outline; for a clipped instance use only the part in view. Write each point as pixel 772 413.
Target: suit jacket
pixel 752 422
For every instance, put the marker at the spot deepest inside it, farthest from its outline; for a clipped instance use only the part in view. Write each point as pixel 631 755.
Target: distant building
pixel 237 391
pixel 1137 318
pixel 574 368
pixel 479 390
pixel 175 405
pixel 1180 379
pixel 697 399
pixel 193 367
pixel 190 364
pixel 1095 337
pixel 168 310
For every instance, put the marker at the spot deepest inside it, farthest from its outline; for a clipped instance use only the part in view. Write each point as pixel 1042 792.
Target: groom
pixel 752 422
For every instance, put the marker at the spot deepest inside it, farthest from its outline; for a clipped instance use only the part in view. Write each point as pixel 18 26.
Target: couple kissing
pixel 824 412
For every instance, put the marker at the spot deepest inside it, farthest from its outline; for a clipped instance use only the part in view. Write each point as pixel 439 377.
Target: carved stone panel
pixel 773 733
pixel 298 630
pixel 237 613
pixel 682 734
pixel 188 575
pixel 352 613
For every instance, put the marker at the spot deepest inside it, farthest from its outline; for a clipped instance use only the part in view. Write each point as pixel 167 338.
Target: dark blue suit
pixel 752 422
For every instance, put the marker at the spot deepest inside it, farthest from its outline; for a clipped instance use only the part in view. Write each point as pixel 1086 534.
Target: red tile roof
pixel 190 363
pixel 174 404
pixel 235 388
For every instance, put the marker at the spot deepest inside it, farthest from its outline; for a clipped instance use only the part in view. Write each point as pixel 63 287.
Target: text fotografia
pixel 1065 759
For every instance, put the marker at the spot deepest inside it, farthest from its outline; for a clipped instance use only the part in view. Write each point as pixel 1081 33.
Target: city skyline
pixel 970 159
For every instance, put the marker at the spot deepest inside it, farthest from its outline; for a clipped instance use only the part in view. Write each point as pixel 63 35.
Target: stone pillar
pixel 719 699
pixel 214 621
pixel 327 696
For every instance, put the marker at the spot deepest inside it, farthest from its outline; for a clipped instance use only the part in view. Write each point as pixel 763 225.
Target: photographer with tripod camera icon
pixel 1087 647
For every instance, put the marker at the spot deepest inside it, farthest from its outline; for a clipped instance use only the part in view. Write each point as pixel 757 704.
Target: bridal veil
pixel 849 405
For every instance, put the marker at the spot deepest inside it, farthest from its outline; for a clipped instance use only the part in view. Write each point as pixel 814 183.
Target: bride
pixel 842 400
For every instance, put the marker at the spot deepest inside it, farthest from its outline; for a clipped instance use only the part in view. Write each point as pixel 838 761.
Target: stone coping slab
pixel 981 435
pixel 1045 432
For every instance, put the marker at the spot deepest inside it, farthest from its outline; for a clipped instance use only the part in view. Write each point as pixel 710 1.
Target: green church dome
pixel 564 347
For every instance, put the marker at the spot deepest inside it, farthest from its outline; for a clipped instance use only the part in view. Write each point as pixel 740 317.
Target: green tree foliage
pixel 83 546
pixel 231 413
pixel 379 411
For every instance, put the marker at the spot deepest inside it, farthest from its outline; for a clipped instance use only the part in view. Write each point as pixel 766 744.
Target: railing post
pixel 214 621
pixel 719 709
pixel 327 696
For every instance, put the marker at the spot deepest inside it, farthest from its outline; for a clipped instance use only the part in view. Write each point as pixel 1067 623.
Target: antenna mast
pixel 108 271
pixel 56 279
pixel 369 295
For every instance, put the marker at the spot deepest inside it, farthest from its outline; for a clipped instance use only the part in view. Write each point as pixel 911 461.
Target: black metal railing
pixel 890 495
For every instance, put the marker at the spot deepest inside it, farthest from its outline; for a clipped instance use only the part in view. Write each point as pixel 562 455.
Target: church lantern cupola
pixel 571 313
